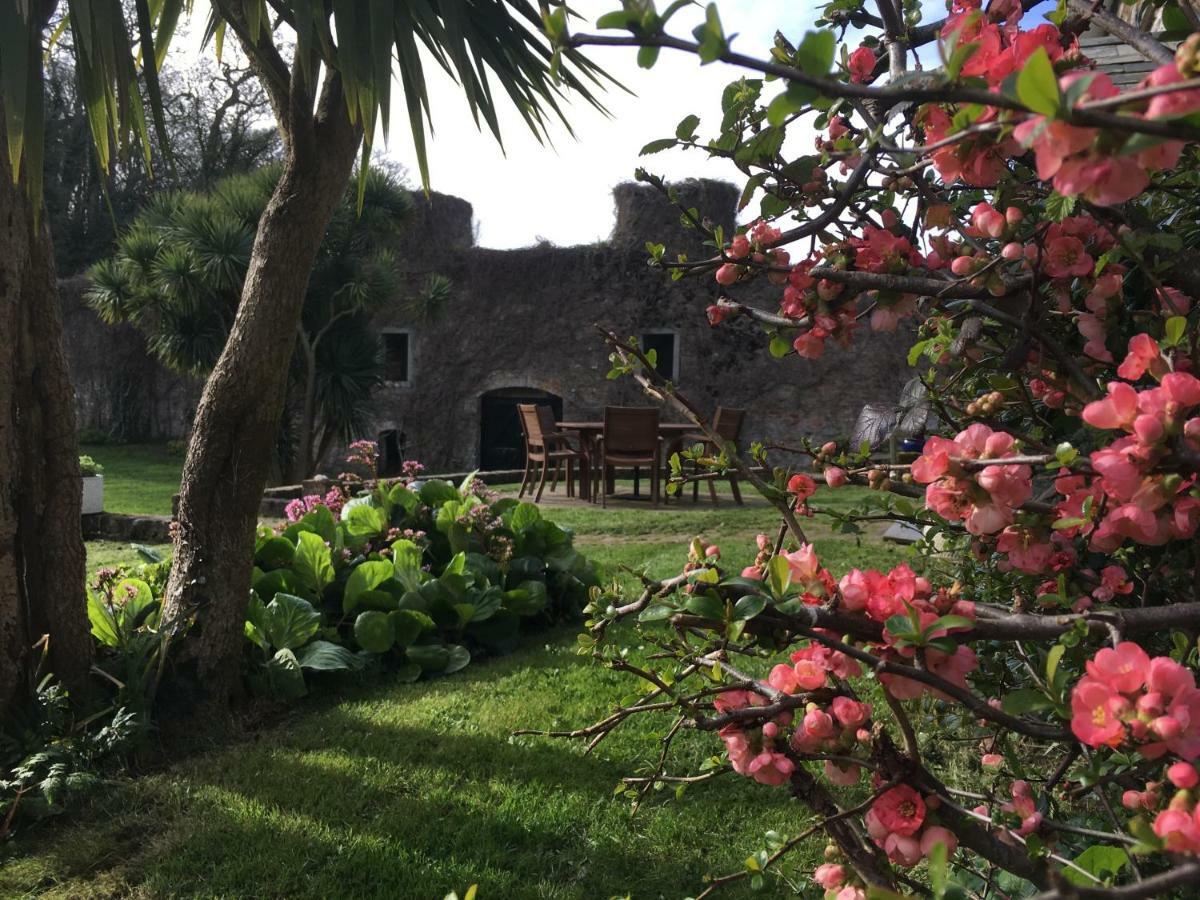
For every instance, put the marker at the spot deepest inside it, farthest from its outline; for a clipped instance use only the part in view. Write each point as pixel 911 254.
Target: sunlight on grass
pixel 139 479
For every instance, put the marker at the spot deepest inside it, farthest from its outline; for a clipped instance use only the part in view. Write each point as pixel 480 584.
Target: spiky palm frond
pixel 110 291
pixel 479 43
pixel 106 66
pixel 189 340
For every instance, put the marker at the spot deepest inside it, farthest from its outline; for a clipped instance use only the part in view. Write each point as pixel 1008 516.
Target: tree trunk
pixel 236 424
pixel 42 556
pixel 304 463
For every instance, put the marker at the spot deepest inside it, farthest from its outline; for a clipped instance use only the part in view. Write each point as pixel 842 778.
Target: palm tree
pixel 178 275
pixel 42 556
pixel 328 95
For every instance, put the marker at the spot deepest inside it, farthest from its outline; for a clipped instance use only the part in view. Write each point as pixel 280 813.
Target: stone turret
pixel 644 214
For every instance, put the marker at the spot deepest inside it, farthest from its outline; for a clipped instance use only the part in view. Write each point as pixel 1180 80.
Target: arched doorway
pixel 500 443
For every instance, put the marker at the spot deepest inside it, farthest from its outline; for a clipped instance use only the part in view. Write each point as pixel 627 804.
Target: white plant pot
pixel 93 494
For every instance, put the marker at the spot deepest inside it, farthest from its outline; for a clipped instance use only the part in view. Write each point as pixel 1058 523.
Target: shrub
pixel 1019 713
pixel 89 467
pixel 412 575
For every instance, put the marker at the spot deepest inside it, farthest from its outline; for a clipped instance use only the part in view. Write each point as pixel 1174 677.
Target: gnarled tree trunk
pixel 42 556
pixel 233 438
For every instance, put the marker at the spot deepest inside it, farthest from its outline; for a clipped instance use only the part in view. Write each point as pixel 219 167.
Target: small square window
pixel 663 343
pixel 397 357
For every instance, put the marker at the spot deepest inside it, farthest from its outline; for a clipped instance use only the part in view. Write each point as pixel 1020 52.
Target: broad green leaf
pixel 104 623
pixel 325 656
pixel 312 562
pixel 749 606
pixel 290 622
pixel 1037 86
pixel 367 576
pixel 373 631
pixel 816 52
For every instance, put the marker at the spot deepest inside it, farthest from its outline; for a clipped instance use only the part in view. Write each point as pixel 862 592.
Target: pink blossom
pixel 900 810
pixel 936 834
pixel 861 65
pixel 830 876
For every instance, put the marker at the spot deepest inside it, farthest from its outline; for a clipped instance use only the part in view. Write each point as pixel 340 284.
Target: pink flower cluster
pixel 1126 695
pixel 297 509
pixel 755 753
pixel 882 596
pixel 897 822
pixel 985 499
pixel 1139 502
pixel 1081 161
pixel 754 246
pixel 1179 824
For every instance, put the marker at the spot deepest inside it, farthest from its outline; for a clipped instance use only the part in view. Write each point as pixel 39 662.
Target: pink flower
pixel 992 760
pixel 936 834
pixel 1065 257
pixel 1123 668
pixel 842 776
pixel 1117 410
pixel 1095 714
pixel 770 768
pixel 902 849
pixel 900 810
pixel 835 476
pixel 802 486
pixel 1144 356
pixel 861 65
pixel 1179 829
pixel 829 876
pixel 850 713
pixel 1183 775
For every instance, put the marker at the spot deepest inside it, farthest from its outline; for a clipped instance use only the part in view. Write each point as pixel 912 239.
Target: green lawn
pixel 138 478
pixel 391 790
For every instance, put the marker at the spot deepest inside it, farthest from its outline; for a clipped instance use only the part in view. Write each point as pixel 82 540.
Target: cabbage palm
pixel 41 551
pixel 329 92
pixel 178 273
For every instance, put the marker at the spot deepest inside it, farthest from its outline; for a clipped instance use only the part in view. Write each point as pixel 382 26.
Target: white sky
pixel 563 193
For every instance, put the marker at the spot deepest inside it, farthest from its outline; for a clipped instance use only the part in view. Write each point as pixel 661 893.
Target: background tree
pixel 327 94
pixel 178 275
pixel 218 119
pixel 41 545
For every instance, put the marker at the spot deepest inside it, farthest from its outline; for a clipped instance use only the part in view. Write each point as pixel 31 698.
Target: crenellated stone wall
pixel 523 323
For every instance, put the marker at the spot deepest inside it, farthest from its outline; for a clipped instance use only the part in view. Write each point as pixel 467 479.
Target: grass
pixel 410 791
pixel 139 479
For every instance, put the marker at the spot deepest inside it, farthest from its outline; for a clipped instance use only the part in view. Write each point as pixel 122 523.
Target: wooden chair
pixel 727 423
pixel 547 446
pixel 630 438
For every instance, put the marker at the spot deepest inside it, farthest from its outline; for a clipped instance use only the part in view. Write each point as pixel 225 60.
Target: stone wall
pixel 120 390
pixel 526 319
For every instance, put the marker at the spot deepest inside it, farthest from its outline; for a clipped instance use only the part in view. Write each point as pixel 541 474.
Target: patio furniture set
pixel 628 437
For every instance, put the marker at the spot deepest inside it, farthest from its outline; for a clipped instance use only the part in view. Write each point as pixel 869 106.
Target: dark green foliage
pixel 412 577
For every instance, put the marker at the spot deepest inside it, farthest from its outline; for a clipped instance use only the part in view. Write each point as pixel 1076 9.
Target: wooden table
pixel 590 430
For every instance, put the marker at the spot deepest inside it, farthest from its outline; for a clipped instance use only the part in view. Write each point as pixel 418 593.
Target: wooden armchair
pixel 630 438
pixel 547 445
pixel 727 423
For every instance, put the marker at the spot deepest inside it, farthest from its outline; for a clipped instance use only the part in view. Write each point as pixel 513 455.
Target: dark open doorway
pixel 500 443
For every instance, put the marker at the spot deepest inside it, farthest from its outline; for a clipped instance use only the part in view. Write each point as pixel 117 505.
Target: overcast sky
pixel 563 193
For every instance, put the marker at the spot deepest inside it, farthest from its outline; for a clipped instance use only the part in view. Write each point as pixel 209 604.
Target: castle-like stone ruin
pixel 520 325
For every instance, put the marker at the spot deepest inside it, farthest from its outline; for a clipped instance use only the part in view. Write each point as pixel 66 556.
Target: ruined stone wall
pixel 120 390
pixel 525 319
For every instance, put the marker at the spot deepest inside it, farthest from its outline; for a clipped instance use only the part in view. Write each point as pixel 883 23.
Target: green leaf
pixel 656 612
pixel 104 623
pixel 408 625
pixel 313 562
pixel 367 576
pixel 710 36
pixel 1101 861
pixel 816 51
pixel 1174 330
pixel 430 657
pixel 705 605
pixel 527 599
pixel 686 130
pixel 274 553
pixel 524 515
pixel 657 146
pixel 749 606
pixel 373 631
pixel 1053 658
pixel 1037 86
pixel 1059 207
pixel 290 622
pixel 283 676
pixel 325 656
pixel 647 56
pixel 779 576
pixel 1024 700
